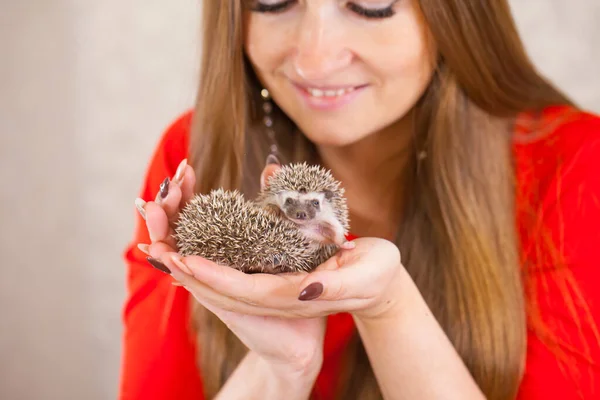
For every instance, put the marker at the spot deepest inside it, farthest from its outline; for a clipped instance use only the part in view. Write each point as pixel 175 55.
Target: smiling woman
pixel 470 185
pixel 373 54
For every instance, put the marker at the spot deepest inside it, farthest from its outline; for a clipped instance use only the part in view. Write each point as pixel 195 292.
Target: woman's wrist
pixel 295 381
pixel 258 378
pixel 410 353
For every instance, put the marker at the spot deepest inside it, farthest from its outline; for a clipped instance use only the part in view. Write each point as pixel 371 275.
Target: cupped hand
pixel 367 281
pixel 291 346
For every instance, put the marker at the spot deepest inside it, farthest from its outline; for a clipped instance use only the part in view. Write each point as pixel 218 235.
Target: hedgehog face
pixel 302 207
pixel 313 213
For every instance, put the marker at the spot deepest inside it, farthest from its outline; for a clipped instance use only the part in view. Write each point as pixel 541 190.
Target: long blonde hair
pixel 461 245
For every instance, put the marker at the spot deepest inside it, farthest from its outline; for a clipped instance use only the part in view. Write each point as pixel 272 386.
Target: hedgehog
pixel 298 220
pixel 310 197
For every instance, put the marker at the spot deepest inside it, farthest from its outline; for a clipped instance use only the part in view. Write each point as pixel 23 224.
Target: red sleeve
pixel 158 348
pixel 569 214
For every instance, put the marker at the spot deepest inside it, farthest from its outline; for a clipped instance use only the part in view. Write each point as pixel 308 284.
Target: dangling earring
pixel 421 153
pixel 268 120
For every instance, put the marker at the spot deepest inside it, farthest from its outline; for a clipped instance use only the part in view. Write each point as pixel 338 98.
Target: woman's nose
pixel 320 49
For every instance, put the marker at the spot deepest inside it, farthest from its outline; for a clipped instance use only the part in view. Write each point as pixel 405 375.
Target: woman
pixel 454 153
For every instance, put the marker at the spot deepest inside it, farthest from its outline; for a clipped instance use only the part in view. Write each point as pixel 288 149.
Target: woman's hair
pixel 460 243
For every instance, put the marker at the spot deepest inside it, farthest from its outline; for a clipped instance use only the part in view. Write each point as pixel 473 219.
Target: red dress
pixel 558 189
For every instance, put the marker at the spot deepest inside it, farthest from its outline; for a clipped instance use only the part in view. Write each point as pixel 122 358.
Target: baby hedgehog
pixel 298 220
pixel 310 197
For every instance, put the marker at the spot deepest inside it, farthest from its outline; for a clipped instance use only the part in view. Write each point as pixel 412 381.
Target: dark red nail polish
pixel 312 291
pixel 164 188
pixel 158 265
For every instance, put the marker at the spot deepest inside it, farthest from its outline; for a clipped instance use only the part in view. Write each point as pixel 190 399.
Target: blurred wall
pixel 86 88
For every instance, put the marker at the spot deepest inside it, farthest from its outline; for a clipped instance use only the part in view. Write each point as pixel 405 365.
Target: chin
pixel 334 139
pixel 338 136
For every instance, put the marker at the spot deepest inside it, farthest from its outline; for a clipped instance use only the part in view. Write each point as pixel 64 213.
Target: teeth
pixel 328 93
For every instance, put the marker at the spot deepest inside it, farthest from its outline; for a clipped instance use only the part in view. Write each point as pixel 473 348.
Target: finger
pixel 168 183
pixel 140 204
pixel 332 263
pixel 348 245
pixel 290 307
pixel 207 296
pixel 163 190
pixel 169 195
pixel 266 290
pixel 154 252
pixel 180 172
pixel 157 249
pixel 185 178
pixel 263 289
pixel 171 203
pixel 187 185
pixel 157 223
pixel 341 278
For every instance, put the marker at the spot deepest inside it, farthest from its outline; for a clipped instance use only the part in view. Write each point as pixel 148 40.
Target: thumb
pixel 330 282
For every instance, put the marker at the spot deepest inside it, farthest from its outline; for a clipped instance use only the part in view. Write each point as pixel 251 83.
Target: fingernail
pixel 312 291
pixel 272 159
pixel 181 265
pixel 178 178
pixel 158 265
pixel 140 204
pixel 164 188
pixel 144 248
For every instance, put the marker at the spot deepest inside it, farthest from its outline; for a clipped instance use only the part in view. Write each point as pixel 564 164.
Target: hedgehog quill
pixel 298 220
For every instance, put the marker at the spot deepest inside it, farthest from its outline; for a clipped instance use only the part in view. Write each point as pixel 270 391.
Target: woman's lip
pixel 328 97
pixel 307 86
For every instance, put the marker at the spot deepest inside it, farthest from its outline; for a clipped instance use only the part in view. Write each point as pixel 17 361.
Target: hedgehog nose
pixel 301 215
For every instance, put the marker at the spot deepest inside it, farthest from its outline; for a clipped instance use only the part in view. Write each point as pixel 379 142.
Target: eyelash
pixel 364 12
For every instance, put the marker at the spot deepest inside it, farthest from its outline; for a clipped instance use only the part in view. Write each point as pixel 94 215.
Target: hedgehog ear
pixel 328 194
pixel 272 159
pixel 272 165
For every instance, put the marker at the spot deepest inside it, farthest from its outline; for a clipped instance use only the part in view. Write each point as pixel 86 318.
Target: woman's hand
pixel 406 346
pixel 367 281
pixel 364 278
pixel 291 348
pixel 280 318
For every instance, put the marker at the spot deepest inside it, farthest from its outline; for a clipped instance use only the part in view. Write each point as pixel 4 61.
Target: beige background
pixel 86 88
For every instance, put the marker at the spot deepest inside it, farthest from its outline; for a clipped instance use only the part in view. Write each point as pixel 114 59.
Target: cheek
pixel 406 61
pixel 265 51
pixel 402 60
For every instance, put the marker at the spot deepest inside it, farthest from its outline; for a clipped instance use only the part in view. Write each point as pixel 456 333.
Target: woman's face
pixel 341 70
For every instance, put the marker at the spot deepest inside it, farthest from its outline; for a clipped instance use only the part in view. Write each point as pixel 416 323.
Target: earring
pixel 268 119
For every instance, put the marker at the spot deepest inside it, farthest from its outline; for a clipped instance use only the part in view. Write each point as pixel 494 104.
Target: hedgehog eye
pixel 315 203
pixel 288 201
